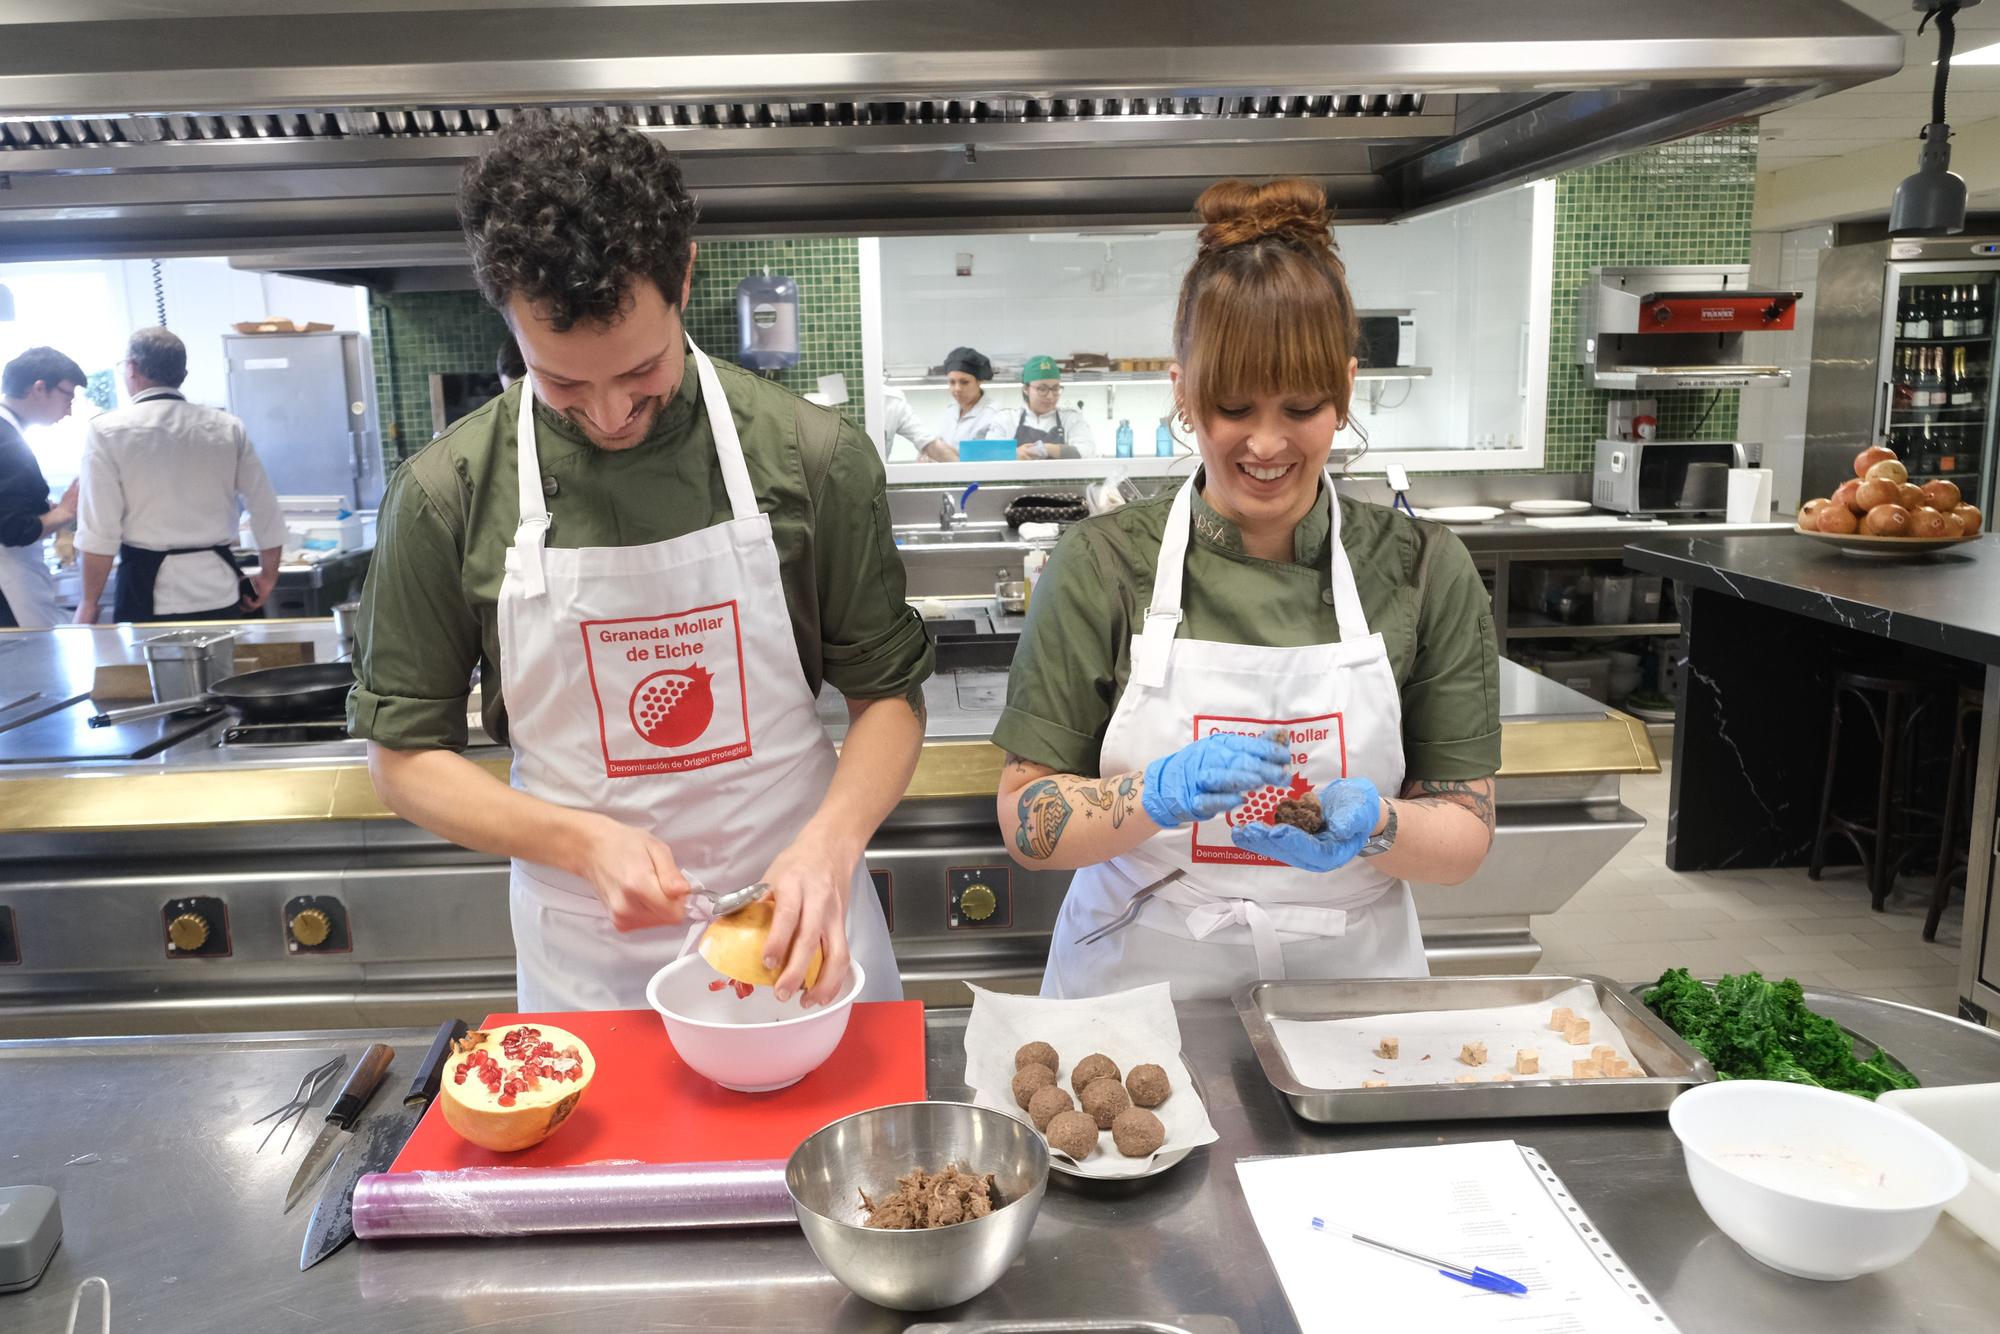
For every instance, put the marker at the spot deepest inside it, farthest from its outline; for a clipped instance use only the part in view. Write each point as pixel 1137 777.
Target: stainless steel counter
pixel 149 1146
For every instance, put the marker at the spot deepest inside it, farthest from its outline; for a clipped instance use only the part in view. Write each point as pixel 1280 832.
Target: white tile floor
pixel 1636 918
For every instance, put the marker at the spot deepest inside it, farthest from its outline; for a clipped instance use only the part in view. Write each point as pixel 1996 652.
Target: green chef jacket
pixel 1418 589
pixel 429 610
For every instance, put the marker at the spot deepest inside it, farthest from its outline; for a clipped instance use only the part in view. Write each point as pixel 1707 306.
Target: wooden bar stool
pixel 1893 705
pixel 1957 811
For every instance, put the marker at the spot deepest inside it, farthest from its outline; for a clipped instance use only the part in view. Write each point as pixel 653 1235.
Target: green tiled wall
pixel 419 333
pixel 1682 203
pixel 828 272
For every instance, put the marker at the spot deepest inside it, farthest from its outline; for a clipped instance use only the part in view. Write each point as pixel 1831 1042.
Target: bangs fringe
pixel 1273 328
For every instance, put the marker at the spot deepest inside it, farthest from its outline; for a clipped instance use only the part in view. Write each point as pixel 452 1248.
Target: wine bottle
pixel 1906 314
pixel 1960 383
pixel 1902 389
pixel 1948 322
pixel 1975 313
pixel 1920 322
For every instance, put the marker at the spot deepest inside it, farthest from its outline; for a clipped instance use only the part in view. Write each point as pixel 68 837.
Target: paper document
pixel 1493 1204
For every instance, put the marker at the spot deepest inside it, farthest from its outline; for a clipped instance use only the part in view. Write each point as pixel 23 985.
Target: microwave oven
pixel 1388 338
pixel 1664 476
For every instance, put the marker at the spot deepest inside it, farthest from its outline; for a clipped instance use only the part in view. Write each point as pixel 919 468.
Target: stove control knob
pixel 188 932
pixel 978 901
pixel 311 928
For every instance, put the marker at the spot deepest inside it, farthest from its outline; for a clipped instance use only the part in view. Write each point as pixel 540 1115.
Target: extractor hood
pixel 330 133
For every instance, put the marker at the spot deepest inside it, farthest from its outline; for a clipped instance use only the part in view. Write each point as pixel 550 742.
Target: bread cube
pixel 1473 1053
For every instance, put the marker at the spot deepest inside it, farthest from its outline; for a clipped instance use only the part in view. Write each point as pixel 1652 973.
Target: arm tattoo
pixel 1044 811
pixel 1115 795
pixel 1476 796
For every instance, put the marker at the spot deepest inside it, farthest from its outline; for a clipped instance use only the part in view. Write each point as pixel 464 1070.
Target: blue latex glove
pixel 1352 808
pixel 1213 775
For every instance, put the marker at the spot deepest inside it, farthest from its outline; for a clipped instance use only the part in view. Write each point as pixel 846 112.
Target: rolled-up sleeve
pixel 1451 701
pixel 872 642
pixel 100 498
pixel 253 484
pixel 1063 686
pixel 417 639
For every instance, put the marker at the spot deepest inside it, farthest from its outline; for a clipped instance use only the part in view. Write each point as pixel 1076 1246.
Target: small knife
pixel 340 1118
pixel 380 1138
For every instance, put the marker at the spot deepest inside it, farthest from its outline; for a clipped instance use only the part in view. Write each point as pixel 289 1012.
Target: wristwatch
pixel 1385 840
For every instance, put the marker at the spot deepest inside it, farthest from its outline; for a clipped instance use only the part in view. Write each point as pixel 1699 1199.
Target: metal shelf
pixel 1970 338
pixel 1555 630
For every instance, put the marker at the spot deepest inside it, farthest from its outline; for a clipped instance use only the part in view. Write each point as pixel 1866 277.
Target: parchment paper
pixel 1340 1053
pixel 1131 1027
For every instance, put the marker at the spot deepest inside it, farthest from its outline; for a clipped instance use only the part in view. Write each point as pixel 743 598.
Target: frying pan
pixel 312 690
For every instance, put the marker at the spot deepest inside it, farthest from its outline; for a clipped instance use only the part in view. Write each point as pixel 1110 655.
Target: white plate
pixel 1461 513
pixel 1550 506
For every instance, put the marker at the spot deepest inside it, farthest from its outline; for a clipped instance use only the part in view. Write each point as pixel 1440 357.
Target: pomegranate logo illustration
pixel 671 709
pixel 1262 807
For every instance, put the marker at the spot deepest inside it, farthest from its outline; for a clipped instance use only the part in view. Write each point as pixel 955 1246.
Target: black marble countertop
pixel 1948 602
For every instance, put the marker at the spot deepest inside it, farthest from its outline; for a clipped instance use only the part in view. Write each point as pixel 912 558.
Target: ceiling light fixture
pixel 1932 202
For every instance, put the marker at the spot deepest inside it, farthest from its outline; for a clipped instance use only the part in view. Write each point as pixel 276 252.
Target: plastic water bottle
pixel 1163 440
pixel 1124 439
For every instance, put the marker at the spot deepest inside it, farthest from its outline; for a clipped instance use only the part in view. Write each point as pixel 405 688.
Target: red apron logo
pixel 669 690
pixel 1262 807
pixel 672 709
pixel 1319 757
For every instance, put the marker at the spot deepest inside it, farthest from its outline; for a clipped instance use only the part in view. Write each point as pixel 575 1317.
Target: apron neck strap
pixel 1163 617
pixel 531 537
pixel 728 446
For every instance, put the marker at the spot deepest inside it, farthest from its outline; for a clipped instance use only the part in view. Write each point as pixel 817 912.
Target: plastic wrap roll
pixel 603 1197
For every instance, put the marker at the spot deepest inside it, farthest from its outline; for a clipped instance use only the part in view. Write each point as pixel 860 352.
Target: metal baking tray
pixel 1670 1064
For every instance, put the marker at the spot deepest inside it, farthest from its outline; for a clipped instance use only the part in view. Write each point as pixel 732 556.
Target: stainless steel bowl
pixel 1012 595
pixel 917 1271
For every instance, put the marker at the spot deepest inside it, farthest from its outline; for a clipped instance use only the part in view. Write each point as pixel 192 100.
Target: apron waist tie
pixel 1265 922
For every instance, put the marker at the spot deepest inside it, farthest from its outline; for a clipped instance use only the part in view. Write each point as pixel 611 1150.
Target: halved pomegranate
pixel 734 947
pixel 508 1088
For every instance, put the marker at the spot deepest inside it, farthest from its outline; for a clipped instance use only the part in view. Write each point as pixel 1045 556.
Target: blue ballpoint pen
pixel 1479 1278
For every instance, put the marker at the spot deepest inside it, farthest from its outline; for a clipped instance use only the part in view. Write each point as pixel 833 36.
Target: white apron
pixel 1234 917
pixel 29 588
pixel 659 685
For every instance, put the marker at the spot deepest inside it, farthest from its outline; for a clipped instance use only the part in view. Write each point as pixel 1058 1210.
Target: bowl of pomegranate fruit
pixel 1882 511
pixel 741 1035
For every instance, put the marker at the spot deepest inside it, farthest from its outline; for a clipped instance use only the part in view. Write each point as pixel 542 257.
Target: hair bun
pixel 1292 209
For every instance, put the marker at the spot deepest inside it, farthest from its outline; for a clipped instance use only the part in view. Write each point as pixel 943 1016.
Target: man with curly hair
pixel 654 561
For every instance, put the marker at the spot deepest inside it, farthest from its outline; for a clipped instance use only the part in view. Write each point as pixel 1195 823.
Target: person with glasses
pixel 1045 429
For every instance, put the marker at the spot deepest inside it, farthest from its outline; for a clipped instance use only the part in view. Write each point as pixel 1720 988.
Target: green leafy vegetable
pixel 1749 1028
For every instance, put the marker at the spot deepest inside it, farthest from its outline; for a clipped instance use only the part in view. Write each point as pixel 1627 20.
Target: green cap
pixel 1040 368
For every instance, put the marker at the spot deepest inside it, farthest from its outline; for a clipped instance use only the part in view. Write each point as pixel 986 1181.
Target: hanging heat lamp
pixel 1932 202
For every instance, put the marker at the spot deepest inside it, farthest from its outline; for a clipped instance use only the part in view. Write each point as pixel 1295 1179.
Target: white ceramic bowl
pixel 1811 1182
pixel 753 1044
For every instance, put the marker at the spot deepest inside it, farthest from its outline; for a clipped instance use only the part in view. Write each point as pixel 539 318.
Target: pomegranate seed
pixel 718 984
pixel 506 1100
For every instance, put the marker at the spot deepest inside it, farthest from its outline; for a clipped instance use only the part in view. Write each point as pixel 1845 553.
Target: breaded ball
pixel 1103 1099
pixel 1137 1132
pixel 1030 1078
pixel 1037 1053
pixel 1094 1066
pixel 1073 1133
pixel 1148 1085
pixel 1047 1103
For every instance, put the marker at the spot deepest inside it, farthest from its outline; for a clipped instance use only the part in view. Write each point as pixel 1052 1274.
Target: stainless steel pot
pixel 184 663
pixel 345 617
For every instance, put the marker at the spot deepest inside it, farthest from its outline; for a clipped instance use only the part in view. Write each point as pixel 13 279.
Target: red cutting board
pixel 645 1105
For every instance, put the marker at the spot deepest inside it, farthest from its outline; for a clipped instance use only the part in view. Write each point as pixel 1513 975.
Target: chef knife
pixel 340 1118
pixel 376 1143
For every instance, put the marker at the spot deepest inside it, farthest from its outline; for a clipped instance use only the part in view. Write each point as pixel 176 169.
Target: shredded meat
pixel 1304 812
pixel 932 1199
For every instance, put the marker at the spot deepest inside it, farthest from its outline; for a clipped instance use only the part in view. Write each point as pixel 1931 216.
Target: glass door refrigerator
pixel 1903 355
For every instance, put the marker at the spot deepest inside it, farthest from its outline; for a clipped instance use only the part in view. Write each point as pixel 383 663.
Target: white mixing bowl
pixel 1815 1183
pixel 753 1044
